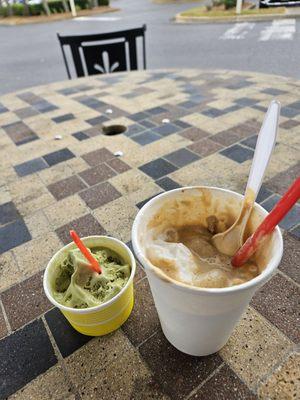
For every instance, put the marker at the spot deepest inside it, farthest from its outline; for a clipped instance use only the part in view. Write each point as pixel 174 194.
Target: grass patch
pixel 202 12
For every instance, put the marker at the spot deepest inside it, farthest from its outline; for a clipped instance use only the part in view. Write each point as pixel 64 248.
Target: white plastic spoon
pixel 230 241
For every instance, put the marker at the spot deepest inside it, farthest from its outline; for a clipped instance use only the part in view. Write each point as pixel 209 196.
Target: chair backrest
pixel 104 52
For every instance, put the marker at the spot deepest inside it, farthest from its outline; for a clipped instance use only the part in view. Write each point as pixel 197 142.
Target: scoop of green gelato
pixel 76 285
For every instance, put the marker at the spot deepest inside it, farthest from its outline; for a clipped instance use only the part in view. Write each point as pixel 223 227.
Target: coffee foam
pixel 188 256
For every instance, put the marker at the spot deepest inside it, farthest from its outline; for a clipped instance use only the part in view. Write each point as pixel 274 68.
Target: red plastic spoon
pixel 94 263
pixel 290 197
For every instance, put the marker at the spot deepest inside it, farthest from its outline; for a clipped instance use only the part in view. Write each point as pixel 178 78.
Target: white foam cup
pixel 199 321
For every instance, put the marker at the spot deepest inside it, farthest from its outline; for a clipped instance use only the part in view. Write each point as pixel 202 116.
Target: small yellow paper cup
pixel 107 317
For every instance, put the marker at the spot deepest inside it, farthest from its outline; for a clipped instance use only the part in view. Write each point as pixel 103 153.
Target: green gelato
pixel 76 285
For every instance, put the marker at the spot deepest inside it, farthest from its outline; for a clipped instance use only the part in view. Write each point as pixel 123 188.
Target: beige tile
pixel 77 164
pixel 37 224
pixel 282 158
pixel 13 102
pixel 220 104
pixel 254 348
pixel 7 175
pixel 117 217
pixel 9 271
pixel 33 391
pixel 30 194
pixel 43 200
pixel 57 383
pixel 214 170
pixel 284 384
pixel 5 196
pixel 155 150
pixel 210 125
pixel 290 137
pixel 65 211
pixel 148 190
pixel 118 121
pixel 86 362
pixel 8 118
pixel 130 181
pixel 56 173
pixel 126 378
pixel 193 175
pixel 53 384
pixel 33 256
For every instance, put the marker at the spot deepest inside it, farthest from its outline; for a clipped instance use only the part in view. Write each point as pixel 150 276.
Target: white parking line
pixel 238 31
pixel 96 19
pixel 282 29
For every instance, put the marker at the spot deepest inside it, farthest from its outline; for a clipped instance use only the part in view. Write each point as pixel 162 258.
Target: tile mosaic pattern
pixel 183 127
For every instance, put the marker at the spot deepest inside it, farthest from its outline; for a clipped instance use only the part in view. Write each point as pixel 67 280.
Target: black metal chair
pixel 105 52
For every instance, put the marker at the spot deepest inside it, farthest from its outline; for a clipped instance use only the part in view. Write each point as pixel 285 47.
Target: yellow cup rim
pixel 101 306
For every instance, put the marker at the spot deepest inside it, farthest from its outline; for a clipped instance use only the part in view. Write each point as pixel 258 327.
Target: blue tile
pixel 213 112
pixel 167 183
pixel 166 129
pixel 291 219
pixel 138 116
pixel 147 124
pixel 2 109
pixel 157 110
pixel 44 106
pixel 84 88
pixel 250 141
pixel 272 91
pixel 49 108
pixel 29 167
pixel 188 104
pixel 263 194
pixel 289 112
pixel 181 157
pixel 8 213
pixel 58 156
pixel 13 234
pixel 239 85
pixel 97 120
pixel 91 102
pixel 245 101
pixel 158 168
pixel 259 108
pixel 27 140
pixel 63 118
pixel 295 232
pixel 80 136
pixel 134 129
pixel 25 354
pixel 238 153
pixel 68 91
pixel 145 137
pixel 131 95
pixel 67 339
pixel 232 108
pixel 181 124
pixel 295 105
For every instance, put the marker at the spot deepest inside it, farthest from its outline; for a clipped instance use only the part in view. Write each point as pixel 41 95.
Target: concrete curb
pixel 242 18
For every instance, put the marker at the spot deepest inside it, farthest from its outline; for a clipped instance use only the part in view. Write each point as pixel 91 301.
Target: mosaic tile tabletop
pixel 58 170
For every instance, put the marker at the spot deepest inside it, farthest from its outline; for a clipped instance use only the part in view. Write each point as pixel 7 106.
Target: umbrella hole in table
pixel 111 130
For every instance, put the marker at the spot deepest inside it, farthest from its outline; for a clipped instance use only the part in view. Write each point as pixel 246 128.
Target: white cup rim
pixel 100 306
pixel 257 281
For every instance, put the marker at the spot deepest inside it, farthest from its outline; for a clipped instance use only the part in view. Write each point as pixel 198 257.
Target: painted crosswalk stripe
pixel 238 31
pixel 281 29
